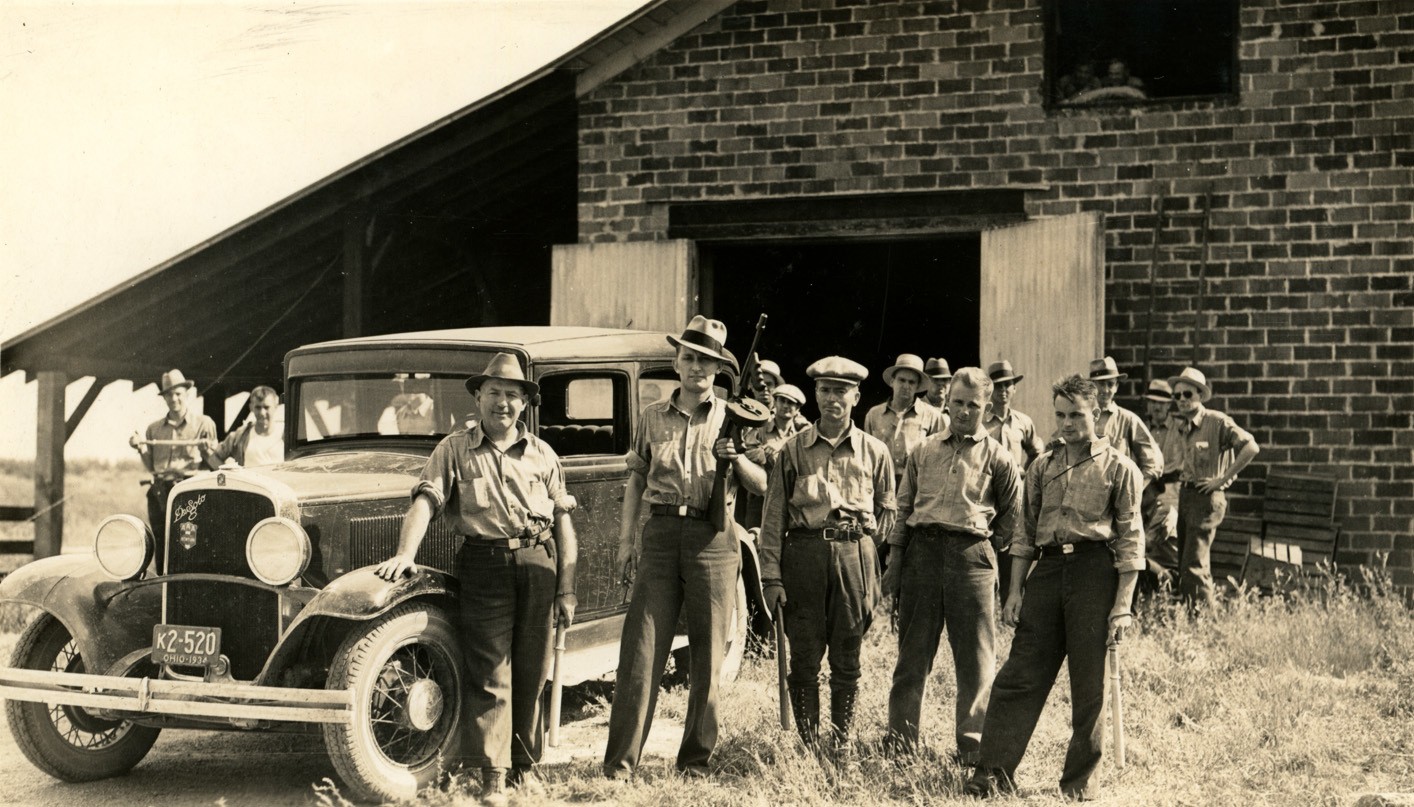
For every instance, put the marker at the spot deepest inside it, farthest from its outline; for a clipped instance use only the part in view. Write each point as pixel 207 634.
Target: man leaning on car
pixel 503 490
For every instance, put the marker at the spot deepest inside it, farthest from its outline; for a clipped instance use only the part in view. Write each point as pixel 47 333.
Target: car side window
pixel 585 413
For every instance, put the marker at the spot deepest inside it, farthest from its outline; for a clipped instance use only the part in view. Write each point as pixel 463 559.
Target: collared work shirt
pixel 480 490
pixel 1017 434
pixel 764 443
pixel 967 483
pixel 903 431
pixel 1207 445
pixel 1093 499
pixel 178 462
pixel 1128 434
pixel 816 483
pixel 673 451
pixel 1170 441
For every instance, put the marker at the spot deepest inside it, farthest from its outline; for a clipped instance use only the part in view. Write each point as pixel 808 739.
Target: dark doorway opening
pixel 868 300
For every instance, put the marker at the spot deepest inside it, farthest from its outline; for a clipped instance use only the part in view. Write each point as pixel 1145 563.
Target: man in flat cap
pixel 502 490
pixel 1213 451
pixel 939 374
pixel 1083 534
pixel 684 564
pixel 961 492
pixel 830 498
pixel 173 448
pixel 763 443
pixel 1014 430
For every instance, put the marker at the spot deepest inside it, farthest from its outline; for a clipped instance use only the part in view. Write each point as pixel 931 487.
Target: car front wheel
pixel 69 742
pixel 405 671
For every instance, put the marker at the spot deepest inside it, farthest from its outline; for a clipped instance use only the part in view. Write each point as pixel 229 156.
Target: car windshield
pixel 373 404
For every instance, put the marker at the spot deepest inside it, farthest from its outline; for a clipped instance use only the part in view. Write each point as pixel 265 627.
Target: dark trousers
pixel 158 494
pixel 1064 616
pixel 1199 515
pixel 684 566
pixel 507 604
pixel 830 597
pixel 949 580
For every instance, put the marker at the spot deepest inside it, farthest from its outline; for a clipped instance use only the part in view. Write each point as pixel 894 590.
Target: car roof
pixel 539 342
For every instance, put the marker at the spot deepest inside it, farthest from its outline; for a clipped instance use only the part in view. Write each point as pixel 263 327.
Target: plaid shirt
pixel 1094 499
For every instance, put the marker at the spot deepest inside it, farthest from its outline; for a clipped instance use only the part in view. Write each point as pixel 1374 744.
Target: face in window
pixel 500 404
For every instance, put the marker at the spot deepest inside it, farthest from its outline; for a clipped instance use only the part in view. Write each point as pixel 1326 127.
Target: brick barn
pixel 1221 183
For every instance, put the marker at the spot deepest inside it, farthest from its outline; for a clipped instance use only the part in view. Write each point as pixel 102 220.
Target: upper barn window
pixel 1107 52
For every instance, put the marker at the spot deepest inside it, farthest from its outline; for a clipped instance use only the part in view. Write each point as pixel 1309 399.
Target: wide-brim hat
pixel 838 368
pixel 938 369
pixel 505 367
pixel 1194 376
pixel 1159 390
pixel 906 361
pixel 1000 371
pixel 172 379
pixel 706 336
pixel 1105 369
pixel 790 392
pixel 770 368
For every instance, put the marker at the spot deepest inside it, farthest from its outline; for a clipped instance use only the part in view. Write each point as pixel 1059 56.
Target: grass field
pixel 1302 699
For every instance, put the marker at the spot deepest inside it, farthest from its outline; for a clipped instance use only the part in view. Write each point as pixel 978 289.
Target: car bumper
pixel 149 696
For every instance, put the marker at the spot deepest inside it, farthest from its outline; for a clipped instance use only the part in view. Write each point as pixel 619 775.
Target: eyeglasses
pixel 1184 394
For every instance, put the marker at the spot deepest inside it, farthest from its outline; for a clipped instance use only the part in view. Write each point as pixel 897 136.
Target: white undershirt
pixel 263 449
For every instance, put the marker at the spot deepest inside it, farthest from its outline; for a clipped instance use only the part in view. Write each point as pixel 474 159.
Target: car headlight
pixel 277 550
pixel 122 545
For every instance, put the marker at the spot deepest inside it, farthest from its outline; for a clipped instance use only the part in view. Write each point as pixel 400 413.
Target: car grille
pixel 249 618
pixel 373 539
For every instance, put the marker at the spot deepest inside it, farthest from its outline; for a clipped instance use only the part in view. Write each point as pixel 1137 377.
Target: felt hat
pixel 706 336
pixel 838 368
pixel 1105 369
pixel 1194 376
pixel 503 366
pixel 171 380
pixel 790 392
pixel 1000 371
pixel 770 368
pixel 938 369
pixel 1159 390
pixel 906 361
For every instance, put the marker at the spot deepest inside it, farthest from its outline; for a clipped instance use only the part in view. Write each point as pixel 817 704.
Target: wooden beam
pixel 213 405
pixel 49 466
pixel 16 548
pixel 11 513
pixel 84 405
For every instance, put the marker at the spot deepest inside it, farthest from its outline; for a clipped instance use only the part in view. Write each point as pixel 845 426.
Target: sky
pixel 131 131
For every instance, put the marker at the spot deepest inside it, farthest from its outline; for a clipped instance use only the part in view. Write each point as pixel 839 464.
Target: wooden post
pixel 49 465
pixel 355 273
pixel 213 405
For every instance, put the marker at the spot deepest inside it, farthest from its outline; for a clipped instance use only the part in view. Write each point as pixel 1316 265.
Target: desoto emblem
pixel 187 536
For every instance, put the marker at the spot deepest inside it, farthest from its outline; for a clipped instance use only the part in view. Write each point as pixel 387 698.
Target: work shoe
pixel 493 788
pixel 523 778
pixel 988 782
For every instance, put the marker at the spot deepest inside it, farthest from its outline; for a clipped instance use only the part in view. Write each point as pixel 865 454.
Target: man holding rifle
pixel 174 448
pixel 830 498
pixel 1084 533
pixel 684 562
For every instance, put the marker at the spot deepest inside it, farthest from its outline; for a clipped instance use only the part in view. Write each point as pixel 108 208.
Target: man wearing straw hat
pixel 903 422
pixel 502 490
pixel 684 564
pixel 170 464
pixel 1161 525
pixel 1083 533
pixel 1213 450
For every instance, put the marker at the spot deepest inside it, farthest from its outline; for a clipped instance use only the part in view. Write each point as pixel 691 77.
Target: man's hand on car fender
pixel 395 567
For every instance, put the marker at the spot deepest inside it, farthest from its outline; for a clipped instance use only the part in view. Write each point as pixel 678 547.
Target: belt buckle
pixel 829 533
pixel 680 511
pixel 1067 549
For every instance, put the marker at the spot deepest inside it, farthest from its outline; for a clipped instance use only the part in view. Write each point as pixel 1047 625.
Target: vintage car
pixel 267 614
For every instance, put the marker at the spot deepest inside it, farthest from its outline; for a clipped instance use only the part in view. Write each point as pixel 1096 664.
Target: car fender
pixel 108 619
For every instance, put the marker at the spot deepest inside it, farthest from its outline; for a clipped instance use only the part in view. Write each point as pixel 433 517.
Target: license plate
pixel 185 646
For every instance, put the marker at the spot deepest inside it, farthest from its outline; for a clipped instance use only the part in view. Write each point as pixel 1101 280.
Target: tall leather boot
pixel 805 705
pixel 842 714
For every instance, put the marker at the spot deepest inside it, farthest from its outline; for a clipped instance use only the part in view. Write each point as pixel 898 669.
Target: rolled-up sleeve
pixel 642 452
pixel 1234 437
pixel 1128 523
pixel 439 476
pixel 555 482
pixel 885 503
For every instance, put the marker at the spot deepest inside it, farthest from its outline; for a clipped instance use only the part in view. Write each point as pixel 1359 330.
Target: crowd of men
pixel 949 505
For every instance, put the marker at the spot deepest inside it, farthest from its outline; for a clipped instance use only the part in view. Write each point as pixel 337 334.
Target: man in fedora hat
pixel 1213 451
pixel 1016 432
pixel 763 443
pixel 938 377
pixel 1084 536
pixel 1124 429
pixel 684 564
pixel 502 490
pixel 830 498
pixel 961 490
pixel 1161 525
pixel 170 464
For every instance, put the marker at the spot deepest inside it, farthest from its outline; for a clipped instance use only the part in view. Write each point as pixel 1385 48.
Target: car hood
pixel 354 474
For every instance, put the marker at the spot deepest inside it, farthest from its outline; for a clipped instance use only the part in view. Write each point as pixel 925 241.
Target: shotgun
pixel 782 667
pixel 742 411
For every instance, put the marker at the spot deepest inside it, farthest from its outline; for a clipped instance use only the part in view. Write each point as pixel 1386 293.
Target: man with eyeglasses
pixel 1214 451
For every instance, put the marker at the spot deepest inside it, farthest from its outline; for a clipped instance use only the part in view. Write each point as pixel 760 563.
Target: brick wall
pixel 1310 281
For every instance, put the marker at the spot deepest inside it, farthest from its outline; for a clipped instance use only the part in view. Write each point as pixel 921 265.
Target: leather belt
pixel 826 533
pixel 943 531
pixel 678 510
pixel 508 543
pixel 1056 551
